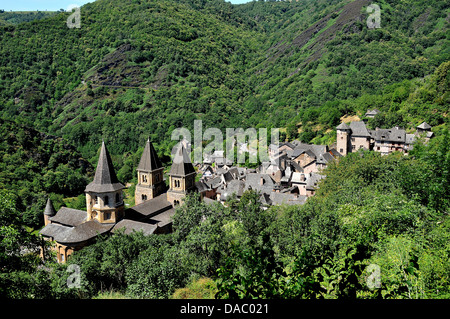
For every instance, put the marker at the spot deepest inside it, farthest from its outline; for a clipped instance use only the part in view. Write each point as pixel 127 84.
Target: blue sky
pixel 52 5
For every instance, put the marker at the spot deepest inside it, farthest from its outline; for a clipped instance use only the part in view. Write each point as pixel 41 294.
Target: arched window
pixel 144 197
pixel 106 201
pixel 176 202
pixel 96 200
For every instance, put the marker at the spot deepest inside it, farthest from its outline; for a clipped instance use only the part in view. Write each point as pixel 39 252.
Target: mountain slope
pixel 141 68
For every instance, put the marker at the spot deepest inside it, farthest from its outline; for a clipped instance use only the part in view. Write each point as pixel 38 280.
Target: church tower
pixel 49 211
pixel 104 198
pixel 343 144
pixel 150 175
pixel 181 177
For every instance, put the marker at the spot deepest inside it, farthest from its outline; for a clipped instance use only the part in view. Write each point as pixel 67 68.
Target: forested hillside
pixel 140 68
pixel 148 67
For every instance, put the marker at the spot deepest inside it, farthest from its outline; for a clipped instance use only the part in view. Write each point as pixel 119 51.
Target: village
pixel 290 177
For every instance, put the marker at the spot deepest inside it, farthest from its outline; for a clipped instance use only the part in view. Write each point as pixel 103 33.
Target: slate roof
pixel 424 126
pixel 372 112
pixel 148 208
pixel 74 235
pixel 49 209
pixel 390 135
pixel 162 219
pixel 105 179
pixel 324 158
pixel 69 217
pixel 286 198
pixel 201 186
pixel 134 226
pixel 181 165
pixel 234 187
pixel 359 129
pixel 254 181
pixel 149 159
pixel 342 126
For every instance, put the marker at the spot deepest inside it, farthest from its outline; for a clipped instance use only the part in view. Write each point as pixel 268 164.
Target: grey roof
pixel 162 219
pixel 148 208
pixel 324 158
pixel 342 126
pixel 105 179
pixel 359 129
pixel 134 226
pixel 234 187
pixel 372 112
pixel 335 153
pixel 69 216
pixel 77 234
pixel 234 172
pixel 214 182
pixel 181 165
pixel 390 135
pixel 424 126
pixel 49 209
pixel 149 159
pixel 254 181
pixel 287 198
pixel 201 186
pixel 315 149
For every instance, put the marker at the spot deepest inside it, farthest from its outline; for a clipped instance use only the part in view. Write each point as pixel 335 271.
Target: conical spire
pixel 49 209
pixel 181 165
pixel 105 179
pixel 149 160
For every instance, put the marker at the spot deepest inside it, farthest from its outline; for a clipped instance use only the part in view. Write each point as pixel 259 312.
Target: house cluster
pixel 355 136
pixel 289 177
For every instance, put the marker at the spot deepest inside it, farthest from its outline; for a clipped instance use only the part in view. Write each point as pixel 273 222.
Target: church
pixel 72 229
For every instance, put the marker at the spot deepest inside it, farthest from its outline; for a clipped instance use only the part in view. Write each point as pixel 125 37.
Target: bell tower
pixel 104 198
pixel 181 177
pixel 150 175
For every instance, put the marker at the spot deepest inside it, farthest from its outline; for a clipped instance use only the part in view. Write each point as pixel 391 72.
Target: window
pixel 176 183
pixel 106 201
pixel 176 202
pixel 107 215
pixel 144 178
pixel 96 200
pixel 341 151
pixel 144 197
pixel 353 147
pixel 117 198
pixel 353 139
pixel 62 257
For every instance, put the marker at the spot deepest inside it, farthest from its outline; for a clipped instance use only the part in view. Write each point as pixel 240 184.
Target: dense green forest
pixel 140 68
pixel 8 18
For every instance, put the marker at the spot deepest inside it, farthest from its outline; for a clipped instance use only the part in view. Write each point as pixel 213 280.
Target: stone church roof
pixel 105 179
pixel 49 209
pixel 69 217
pixel 75 235
pixel 182 164
pixel 149 160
